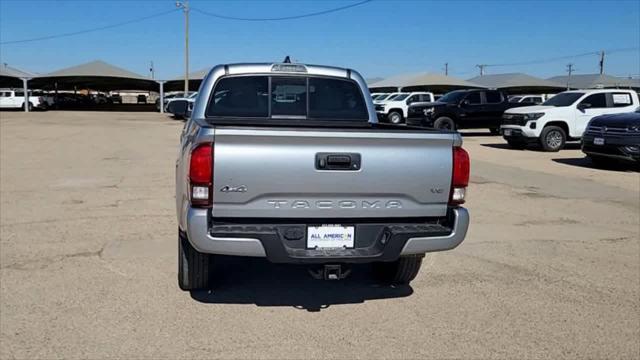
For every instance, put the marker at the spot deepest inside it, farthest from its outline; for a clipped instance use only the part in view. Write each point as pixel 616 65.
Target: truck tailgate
pixel 275 173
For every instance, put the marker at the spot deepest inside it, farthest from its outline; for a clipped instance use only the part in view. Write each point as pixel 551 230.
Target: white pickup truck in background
pixel 563 117
pixel 14 99
pixel 396 110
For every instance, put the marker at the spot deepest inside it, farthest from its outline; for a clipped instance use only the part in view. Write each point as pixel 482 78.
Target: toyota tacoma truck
pixel 287 162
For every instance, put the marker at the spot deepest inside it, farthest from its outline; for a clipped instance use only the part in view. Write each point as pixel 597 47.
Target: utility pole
pixel 569 70
pixel 152 71
pixel 184 5
pixel 446 69
pixel 481 67
pixel 601 62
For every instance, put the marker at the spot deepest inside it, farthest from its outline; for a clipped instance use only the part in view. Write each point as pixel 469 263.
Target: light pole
pixel 184 5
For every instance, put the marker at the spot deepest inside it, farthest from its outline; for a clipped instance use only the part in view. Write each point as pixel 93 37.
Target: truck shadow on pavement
pixel 257 281
pixel 533 147
pixel 584 162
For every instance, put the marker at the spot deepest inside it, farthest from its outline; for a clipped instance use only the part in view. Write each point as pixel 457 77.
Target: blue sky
pixel 379 39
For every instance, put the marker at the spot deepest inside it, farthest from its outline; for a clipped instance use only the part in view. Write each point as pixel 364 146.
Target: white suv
pixel 396 110
pixel 14 99
pixel 563 117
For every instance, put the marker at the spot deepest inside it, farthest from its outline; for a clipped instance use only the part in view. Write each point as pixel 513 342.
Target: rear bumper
pixel 286 242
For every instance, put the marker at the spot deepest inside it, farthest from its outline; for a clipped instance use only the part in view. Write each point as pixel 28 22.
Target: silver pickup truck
pixel 287 161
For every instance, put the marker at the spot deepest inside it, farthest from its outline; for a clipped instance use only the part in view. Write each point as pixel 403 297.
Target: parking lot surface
pixel 88 253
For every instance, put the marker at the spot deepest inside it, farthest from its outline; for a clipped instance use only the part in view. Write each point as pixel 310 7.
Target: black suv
pixel 462 109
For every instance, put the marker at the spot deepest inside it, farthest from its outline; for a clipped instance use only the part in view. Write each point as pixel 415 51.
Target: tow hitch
pixel 330 272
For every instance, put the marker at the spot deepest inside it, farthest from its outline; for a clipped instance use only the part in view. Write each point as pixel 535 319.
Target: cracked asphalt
pixel 550 267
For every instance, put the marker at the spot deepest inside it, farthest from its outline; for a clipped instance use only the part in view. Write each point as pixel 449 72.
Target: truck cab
pixel 564 117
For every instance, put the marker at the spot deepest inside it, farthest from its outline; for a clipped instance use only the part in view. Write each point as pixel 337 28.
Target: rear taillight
pixel 201 175
pixel 460 178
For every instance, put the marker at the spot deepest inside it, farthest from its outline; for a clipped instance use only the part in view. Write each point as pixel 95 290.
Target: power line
pixel 48 37
pixel 292 17
pixel 569 57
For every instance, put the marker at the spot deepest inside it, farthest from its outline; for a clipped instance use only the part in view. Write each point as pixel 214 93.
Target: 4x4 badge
pixel 239 189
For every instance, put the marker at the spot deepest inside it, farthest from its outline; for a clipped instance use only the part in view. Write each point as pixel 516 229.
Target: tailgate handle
pixel 340 161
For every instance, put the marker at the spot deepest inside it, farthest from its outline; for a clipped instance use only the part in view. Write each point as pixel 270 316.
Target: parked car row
pixel 576 115
pixel 15 99
pixel 179 106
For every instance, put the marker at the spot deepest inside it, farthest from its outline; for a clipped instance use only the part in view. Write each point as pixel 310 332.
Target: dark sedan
pixel 613 137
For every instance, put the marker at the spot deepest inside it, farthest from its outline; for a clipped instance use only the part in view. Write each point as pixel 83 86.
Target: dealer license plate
pixel 507 132
pixel 598 141
pixel 330 236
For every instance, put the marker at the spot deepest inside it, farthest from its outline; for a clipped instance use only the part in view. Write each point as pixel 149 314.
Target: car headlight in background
pixel 533 116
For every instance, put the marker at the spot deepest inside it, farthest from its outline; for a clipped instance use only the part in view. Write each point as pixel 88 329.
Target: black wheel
pixel 401 271
pixel 444 123
pixel 517 144
pixel 395 117
pixel 494 131
pixel 194 268
pixel 30 106
pixel 552 138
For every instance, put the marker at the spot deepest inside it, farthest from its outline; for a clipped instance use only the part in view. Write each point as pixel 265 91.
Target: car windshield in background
pixel 564 99
pixel 290 98
pixel 515 99
pixel 452 97
pixel 400 97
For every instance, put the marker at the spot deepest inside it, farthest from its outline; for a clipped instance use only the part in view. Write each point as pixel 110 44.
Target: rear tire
pixel 494 131
pixel 401 271
pixel 444 123
pixel 30 106
pixel 395 117
pixel 194 268
pixel 517 144
pixel 552 138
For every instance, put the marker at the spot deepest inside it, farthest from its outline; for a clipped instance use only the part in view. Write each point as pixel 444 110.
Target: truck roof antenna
pixel 287 60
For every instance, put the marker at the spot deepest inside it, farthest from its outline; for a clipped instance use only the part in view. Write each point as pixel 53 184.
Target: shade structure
pixel 595 81
pixel 95 75
pixel 423 82
pixel 195 78
pixel 12 77
pixel 518 83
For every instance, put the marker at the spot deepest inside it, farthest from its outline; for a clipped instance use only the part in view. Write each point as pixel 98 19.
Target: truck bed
pixel 262 172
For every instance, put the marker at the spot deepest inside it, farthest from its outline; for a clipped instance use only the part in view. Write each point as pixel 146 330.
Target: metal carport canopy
pixel 422 81
pixel 595 81
pixel 95 75
pixel 518 83
pixel 195 78
pixel 11 77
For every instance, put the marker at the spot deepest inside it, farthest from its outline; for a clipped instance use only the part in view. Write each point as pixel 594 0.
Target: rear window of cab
pixel 287 97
